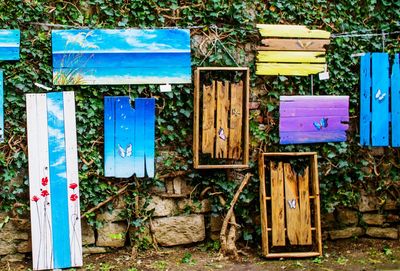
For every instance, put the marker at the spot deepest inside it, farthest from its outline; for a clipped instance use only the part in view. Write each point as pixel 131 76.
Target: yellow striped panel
pixel 288 69
pixel 291 31
pixel 284 56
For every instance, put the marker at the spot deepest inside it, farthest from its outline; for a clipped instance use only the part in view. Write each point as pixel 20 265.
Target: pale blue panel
pixel 109 136
pixel 1 107
pixel 139 137
pixel 380 99
pixel 395 94
pixel 365 100
pixel 58 180
pixel 149 135
pixel 9 44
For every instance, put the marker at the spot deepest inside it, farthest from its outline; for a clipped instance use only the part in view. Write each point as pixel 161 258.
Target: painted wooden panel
pixel 291 31
pixel 294 45
pixel 292 205
pixel 304 207
pixel 1 107
pixel 9 44
pixel 294 69
pixel 379 92
pixel 277 204
pixel 292 57
pixel 129 136
pixel 313 119
pixel 395 94
pixel 53 181
pixel 208 127
pixel 130 56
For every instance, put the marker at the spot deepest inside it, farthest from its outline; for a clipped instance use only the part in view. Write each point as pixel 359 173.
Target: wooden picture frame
pixel 229 151
pixel 289 205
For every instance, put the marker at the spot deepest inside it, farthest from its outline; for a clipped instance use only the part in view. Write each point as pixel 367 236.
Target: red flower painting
pixel 45 181
pixel 45 193
pixel 73 197
pixel 73 185
pixel 35 198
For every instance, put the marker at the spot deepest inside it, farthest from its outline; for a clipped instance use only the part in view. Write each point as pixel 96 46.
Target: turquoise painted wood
pixel 1 107
pixel 380 100
pixel 395 94
pixel 365 99
pixel 9 44
pixel 149 132
pixel 138 151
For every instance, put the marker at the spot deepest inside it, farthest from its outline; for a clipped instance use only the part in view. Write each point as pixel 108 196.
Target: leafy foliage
pixel 345 168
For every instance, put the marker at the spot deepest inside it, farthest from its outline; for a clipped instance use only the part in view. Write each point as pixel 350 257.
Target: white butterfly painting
pixel 221 134
pixel 125 152
pixel 292 204
pixel 379 95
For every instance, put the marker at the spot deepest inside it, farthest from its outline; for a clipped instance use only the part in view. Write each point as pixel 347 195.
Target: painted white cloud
pixel 55 133
pixel 79 39
pixel 55 109
pixel 60 161
pixel 62 175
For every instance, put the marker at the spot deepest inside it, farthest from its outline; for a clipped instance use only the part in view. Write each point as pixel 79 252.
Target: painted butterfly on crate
pixel 125 152
pixel 323 123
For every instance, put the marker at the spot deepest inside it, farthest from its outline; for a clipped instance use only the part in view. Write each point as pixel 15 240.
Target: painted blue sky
pixel 118 41
pixel 9 38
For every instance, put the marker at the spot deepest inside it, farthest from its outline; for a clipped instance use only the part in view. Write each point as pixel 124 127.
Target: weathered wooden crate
pixel 221 113
pixel 290 205
pixel 380 100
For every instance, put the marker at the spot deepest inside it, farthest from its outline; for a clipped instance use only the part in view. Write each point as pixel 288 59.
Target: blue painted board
pixel 9 44
pixel 1 107
pixel 129 148
pixel 129 56
pixel 395 95
pixel 380 99
pixel 365 99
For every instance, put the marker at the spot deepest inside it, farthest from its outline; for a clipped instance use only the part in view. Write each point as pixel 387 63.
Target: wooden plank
pixel 71 154
pixel 222 130
pixel 109 137
pixel 304 205
pixel 208 135
pixel 108 56
pixel 1 107
pixel 323 100
pixel 38 158
pixel 314 124
pixel 291 31
pixel 196 118
pixel 246 129
pixel 9 44
pixel 236 121
pixel 380 99
pixel 277 204
pixel 138 146
pixel 292 57
pixel 365 99
pixel 263 205
pixel 315 191
pixel 308 111
pixel 149 136
pixel 288 69
pixel 293 255
pixel 294 45
pixel 395 95
pixel 311 137
pixel 292 205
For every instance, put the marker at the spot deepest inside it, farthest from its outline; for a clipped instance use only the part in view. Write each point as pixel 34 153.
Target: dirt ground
pixel 352 254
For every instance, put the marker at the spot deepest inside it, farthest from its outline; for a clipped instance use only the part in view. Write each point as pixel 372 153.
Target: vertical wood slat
pixel 380 99
pixel 365 99
pixel 222 130
pixel 208 128
pixel 149 135
pixel 292 209
pixel 236 117
pixel 109 137
pixel 277 204
pixel 138 146
pixel 316 204
pixel 304 205
pixel 246 130
pixel 395 95
pixel 263 205
pixel 196 118
pixel 1 107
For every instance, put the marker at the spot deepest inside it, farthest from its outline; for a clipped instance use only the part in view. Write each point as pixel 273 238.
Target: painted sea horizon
pixel 95 57
pixel 9 44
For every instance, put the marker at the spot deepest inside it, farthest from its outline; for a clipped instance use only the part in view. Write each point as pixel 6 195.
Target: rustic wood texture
pixel 294 45
pixel 277 204
pixel 315 192
pixel 288 69
pixel 292 213
pixel 222 120
pixel 304 206
pixel 196 118
pixel 208 127
pixel 263 205
pixel 291 57
pixel 236 118
pixel 291 31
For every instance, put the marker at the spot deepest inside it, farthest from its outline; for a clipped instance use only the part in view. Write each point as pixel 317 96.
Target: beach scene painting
pixel 9 44
pixel 114 57
pixel 129 137
pixel 53 181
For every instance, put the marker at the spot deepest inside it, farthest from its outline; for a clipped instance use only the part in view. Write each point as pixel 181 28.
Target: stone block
pixel 391 218
pixel 12 258
pixel 201 207
pixel 7 248
pixel 368 203
pixel 347 216
pixel 179 230
pixel 113 216
pixel 12 231
pixel 216 223
pixel 111 234
pixel 87 234
pixel 161 207
pixel 346 233
pixel 94 250
pixel 373 219
pixel 385 233
pixel 24 247
pixel 328 220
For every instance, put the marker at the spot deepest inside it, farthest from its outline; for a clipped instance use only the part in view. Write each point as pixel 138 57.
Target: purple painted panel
pixel 313 119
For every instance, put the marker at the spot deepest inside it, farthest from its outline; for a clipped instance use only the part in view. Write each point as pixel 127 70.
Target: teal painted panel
pixel 109 134
pixel 395 95
pixel 380 99
pixel 9 44
pixel 365 100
